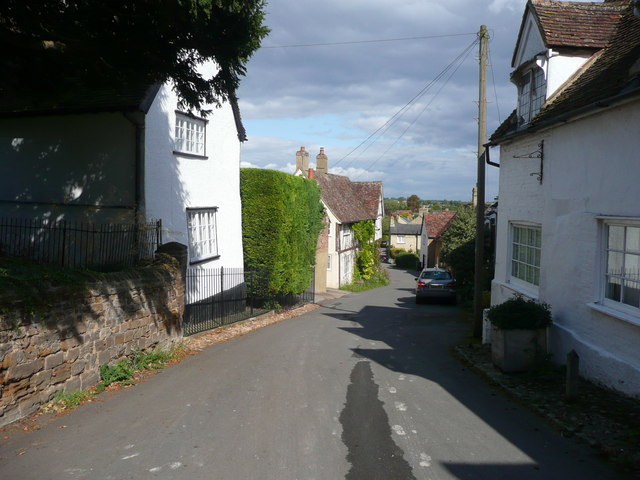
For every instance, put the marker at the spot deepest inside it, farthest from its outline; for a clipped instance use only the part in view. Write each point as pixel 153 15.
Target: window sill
pixel 204 260
pixel 190 155
pixel 520 289
pixel 611 312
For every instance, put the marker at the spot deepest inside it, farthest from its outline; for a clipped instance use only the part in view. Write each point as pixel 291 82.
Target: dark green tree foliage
pixel 413 203
pixel 281 219
pixel 393 204
pixel 74 43
pixel 458 250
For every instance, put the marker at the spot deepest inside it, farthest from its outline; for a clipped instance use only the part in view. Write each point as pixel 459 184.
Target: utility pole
pixel 482 135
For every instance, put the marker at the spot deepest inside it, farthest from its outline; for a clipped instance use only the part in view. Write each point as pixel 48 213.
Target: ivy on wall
pixel 281 218
pixel 366 258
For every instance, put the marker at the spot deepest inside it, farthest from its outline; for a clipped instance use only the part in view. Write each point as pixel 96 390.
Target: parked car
pixel 382 253
pixel 435 283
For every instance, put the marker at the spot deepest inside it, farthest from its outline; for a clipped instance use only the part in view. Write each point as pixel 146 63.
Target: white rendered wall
pixel 591 169
pixel 83 161
pixel 175 182
pixel 559 68
pixel 333 279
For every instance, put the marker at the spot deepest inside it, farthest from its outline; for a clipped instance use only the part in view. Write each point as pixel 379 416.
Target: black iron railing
pixel 77 244
pixel 222 296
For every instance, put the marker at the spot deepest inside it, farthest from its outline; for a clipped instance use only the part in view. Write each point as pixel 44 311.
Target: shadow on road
pixel 418 341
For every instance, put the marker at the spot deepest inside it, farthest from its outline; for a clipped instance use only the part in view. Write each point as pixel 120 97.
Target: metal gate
pixel 221 296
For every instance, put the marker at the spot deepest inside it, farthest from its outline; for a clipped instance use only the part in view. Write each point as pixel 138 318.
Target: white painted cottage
pixel 128 155
pixel 568 228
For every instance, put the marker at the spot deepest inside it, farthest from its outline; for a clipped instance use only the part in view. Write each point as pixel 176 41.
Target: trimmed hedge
pixel 281 218
pixel 407 260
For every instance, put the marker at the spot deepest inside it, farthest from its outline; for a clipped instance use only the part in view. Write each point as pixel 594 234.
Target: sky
pixel 402 111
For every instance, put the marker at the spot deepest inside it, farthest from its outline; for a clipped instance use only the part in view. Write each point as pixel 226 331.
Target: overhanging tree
pixel 73 43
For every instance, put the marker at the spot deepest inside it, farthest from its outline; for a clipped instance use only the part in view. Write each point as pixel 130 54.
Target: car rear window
pixel 436 275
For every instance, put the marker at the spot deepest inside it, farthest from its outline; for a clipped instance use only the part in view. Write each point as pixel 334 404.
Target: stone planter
pixel 517 350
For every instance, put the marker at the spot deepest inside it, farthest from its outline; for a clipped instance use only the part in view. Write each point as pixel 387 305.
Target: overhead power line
pixel 389 123
pixel 355 42
pixel 461 58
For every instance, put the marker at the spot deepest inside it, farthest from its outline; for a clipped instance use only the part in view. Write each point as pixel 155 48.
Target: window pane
pixel 189 134
pixel 631 293
pixel 613 289
pixel 632 267
pixel 614 263
pixel 526 254
pixel 633 239
pixel 616 238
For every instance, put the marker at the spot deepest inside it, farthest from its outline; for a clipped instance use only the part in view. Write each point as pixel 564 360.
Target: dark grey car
pixel 435 283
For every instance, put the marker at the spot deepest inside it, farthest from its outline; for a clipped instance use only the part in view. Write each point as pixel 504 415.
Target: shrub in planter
pixel 520 313
pixel 519 333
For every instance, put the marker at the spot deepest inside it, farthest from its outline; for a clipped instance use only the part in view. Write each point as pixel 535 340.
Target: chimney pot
pixel 302 160
pixel 322 165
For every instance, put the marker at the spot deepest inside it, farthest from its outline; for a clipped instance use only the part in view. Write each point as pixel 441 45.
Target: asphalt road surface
pixel 362 388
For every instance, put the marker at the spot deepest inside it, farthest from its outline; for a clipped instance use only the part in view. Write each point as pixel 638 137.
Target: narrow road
pixel 363 388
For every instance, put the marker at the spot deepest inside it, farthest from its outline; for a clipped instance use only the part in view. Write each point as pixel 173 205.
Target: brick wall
pixel 62 347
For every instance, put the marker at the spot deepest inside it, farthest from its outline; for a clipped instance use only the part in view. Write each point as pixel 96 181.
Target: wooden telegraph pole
pixel 482 134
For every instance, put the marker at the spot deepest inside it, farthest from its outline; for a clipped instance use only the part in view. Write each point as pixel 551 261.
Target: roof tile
pixel 577 24
pixel 350 201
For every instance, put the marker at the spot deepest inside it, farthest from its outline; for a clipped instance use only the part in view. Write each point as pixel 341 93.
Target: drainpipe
pixel 487 157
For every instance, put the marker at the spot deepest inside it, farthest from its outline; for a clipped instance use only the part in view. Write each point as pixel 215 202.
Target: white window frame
pixel 626 252
pixel 190 135
pixel 329 257
pixel 532 90
pixel 400 239
pixel 525 255
pixel 202 228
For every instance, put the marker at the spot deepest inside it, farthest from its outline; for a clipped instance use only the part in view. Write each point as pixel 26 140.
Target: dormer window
pixel 532 88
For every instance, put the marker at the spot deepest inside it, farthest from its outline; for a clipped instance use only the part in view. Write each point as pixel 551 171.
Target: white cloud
pixel 336 96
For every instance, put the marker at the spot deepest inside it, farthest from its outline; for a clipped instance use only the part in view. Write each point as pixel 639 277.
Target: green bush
pixel 394 252
pixel 281 218
pixel 367 259
pixel 520 313
pixel 119 372
pixel 407 260
pixel 380 278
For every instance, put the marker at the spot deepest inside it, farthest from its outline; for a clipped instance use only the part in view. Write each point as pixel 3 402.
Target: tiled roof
pixel 350 201
pixel 370 193
pixel 405 229
pixel 438 222
pixel 83 99
pixel 577 24
pixel 611 72
pixel 135 97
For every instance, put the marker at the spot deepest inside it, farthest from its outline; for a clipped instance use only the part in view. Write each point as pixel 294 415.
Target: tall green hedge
pixel 281 218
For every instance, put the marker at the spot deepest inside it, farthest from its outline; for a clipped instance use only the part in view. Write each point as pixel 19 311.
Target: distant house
pixel 568 224
pixel 405 236
pixel 434 224
pixel 127 156
pixel 346 203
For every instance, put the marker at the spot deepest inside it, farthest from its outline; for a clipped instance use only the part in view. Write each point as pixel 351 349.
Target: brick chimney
pixel 322 162
pixel 302 160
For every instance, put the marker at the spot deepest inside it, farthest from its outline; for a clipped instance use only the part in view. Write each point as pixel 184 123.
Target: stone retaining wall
pixel 62 346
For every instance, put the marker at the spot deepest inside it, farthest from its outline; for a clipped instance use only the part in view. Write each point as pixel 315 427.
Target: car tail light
pixel 421 284
pixel 452 285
